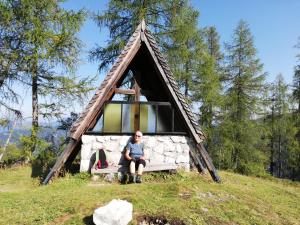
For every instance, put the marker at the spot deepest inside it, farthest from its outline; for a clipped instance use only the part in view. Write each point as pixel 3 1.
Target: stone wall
pixel 158 149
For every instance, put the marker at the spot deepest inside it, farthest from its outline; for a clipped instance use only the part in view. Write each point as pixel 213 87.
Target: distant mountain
pixel 48 133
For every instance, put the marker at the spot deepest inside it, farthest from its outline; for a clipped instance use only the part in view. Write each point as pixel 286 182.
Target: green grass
pixel 190 197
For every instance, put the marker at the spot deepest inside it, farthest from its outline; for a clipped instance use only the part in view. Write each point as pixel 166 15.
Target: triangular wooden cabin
pixel 153 105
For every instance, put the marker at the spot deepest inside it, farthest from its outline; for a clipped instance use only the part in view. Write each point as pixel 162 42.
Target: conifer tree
pixel 296 115
pixel 167 20
pixel 207 87
pixel 283 142
pixel 185 48
pixel 46 49
pixel 296 89
pixel 122 18
pixel 244 82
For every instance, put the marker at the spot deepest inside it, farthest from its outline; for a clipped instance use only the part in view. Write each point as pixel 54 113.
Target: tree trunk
pixel 8 139
pixel 35 113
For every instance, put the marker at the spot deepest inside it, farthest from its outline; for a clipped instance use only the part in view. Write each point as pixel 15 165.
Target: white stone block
pixel 185 149
pixel 87 139
pixel 182 159
pixel 86 152
pixel 169 146
pixel 113 158
pixel 160 138
pixel 84 165
pixel 157 159
pixel 147 153
pixel 183 140
pixel 159 148
pixel 100 139
pixel 178 148
pixel 114 138
pixel 169 160
pixel 116 212
pixel 170 154
pixel 150 143
pixel 124 140
pixel 175 139
pixel 111 146
pixel 97 146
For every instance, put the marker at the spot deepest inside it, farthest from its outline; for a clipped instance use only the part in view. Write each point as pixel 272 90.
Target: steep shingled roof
pixel 105 92
pixel 81 125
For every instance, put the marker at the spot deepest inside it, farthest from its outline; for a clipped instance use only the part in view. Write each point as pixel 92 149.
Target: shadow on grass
pixel 88 220
pixel 41 169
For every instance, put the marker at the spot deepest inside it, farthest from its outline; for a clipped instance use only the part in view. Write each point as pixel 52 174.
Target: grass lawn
pixel 190 197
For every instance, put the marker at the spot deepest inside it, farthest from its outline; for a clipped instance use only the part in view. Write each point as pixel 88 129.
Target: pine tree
pixel 283 131
pixel 283 142
pixel 45 41
pixel 296 89
pixel 207 88
pixel 122 18
pixel 244 81
pixel 182 44
pixel 185 48
pixel 296 115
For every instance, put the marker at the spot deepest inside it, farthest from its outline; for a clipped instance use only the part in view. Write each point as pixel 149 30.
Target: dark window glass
pixel 164 118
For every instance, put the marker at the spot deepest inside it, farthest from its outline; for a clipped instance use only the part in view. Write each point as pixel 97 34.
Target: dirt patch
pixel 61 219
pixel 95 184
pixel 185 195
pixel 158 220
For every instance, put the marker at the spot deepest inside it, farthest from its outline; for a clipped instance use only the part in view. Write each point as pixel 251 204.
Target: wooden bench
pixel 124 169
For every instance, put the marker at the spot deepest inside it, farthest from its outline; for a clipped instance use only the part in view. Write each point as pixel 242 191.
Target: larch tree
pixel 122 17
pixel 296 85
pixel 167 20
pixel 45 50
pixel 185 48
pixel 296 115
pixel 244 83
pixel 207 83
pixel 282 130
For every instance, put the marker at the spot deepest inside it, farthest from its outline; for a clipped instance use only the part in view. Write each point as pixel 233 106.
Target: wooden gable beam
pixel 125 91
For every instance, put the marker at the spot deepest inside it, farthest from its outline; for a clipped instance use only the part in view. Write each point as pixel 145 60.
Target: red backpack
pixel 102 163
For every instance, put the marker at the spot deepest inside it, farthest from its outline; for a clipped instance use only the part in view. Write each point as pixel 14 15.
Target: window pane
pixel 164 118
pixel 99 125
pixel 147 118
pixel 112 118
pixel 128 113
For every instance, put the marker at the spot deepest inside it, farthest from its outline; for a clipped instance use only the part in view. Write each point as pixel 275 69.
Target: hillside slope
pixel 188 197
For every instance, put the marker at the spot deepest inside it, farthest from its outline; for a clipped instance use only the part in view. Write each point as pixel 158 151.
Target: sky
pixel 275 25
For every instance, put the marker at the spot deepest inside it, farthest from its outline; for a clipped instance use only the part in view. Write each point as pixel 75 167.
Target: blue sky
pixel 275 25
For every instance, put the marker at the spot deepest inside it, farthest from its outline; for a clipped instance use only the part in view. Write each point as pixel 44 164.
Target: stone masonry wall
pixel 158 150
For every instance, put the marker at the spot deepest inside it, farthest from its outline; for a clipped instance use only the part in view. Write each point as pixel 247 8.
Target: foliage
pixel 186 196
pixel 66 124
pixel 244 80
pixel 206 87
pixel 40 37
pixel 28 141
pixel 184 46
pixel 296 86
pixel 122 18
pixel 282 134
pixel 12 155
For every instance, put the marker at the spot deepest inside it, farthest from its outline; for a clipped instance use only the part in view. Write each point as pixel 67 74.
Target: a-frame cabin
pixel 151 102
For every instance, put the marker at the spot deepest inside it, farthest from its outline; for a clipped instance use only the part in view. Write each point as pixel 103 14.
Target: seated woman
pixel 135 154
